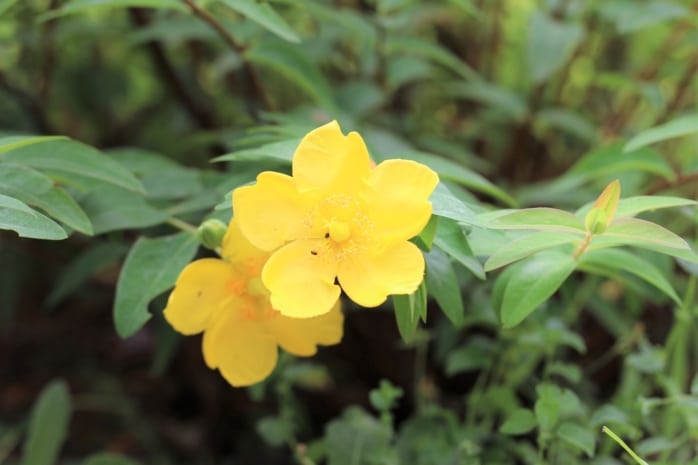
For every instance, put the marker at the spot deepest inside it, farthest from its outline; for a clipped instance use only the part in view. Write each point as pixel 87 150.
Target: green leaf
pixel 14 142
pixel 442 284
pixel 630 15
pixel 408 310
pixel 568 121
pixel 385 397
pixel 451 238
pixel 634 231
pixel 577 436
pixel 48 425
pixel 263 14
pixel 496 97
pixel 82 267
pixel 548 405
pixel 631 206
pixel 275 430
pixel 113 208
pixel 81 6
pixel 294 65
pixel 5 5
pixel 151 267
pixel 276 151
pixel 358 438
pixel 528 245
pixel 108 458
pixel 539 219
pixel 425 239
pixel 452 171
pixel 73 163
pixel 27 222
pixel 678 127
pixel 476 354
pixel 519 421
pixel 613 160
pixel 416 47
pixel 550 44
pixel 533 281
pixel 447 205
pixel 619 259
pixel 15 178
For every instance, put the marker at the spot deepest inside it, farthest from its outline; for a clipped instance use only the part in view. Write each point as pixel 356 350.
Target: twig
pixel 203 116
pixel 680 180
pixel 29 103
pixel 681 89
pixel 48 56
pixel 234 45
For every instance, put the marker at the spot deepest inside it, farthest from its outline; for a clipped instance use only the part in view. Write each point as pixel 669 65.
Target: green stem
pixel 182 225
pixel 615 437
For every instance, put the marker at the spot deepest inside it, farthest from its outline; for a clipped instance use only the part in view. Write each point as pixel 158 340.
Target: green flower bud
pixel 211 233
pixel 596 221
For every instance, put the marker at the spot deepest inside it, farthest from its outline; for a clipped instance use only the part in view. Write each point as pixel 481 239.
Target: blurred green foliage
pixel 532 330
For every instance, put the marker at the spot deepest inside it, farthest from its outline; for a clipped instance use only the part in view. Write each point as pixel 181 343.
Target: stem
pixel 233 44
pixel 614 436
pixel 182 225
pixel 583 246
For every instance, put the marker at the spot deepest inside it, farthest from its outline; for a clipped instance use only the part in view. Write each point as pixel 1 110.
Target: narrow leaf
pixel 151 267
pixel 539 219
pixel 48 425
pixel 263 14
pixel 619 259
pixel 531 283
pixel 550 44
pixel 451 238
pixel 108 458
pixel 679 127
pixel 14 142
pixel 528 245
pixel 73 163
pixel 638 232
pixel 408 310
pixel 442 284
pixel 447 205
pixel 613 160
pixel 27 222
pixel 113 208
pixel 631 206
pixel 81 6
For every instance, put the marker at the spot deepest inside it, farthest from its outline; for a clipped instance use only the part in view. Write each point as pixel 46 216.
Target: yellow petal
pixel 301 336
pixel 200 290
pixel 238 250
pixel 397 199
pixel 243 351
pixel 368 280
pixel 329 162
pixel 300 277
pixel 270 212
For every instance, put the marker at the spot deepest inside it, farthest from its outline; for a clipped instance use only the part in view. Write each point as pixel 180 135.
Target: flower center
pixel 339 231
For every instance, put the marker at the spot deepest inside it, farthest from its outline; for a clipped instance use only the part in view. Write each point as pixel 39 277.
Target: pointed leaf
pixel 447 205
pixel 295 66
pixel 27 222
pixel 151 267
pixel 519 421
pixel 639 232
pixel 81 6
pixel 619 259
pixel 451 238
pixel 408 310
pixel 631 206
pixel 14 142
pixel 678 127
pixel 578 437
pixel 528 245
pixel 540 219
pixel 442 285
pixel 550 44
pixel 613 160
pixel 531 283
pixel 112 208
pixel 48 425
pixel 73 163
pixel 264 14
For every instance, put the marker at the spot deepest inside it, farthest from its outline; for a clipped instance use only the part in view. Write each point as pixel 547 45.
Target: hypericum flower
pixel 337 219
pixel 242 332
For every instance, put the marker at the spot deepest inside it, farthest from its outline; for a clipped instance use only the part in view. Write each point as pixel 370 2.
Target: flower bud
pixel 211 233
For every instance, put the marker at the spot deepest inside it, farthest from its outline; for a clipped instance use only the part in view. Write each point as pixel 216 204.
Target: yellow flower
pixel 226 300
pixel 337 219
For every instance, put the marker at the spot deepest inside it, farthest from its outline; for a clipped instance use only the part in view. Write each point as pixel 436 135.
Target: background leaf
pixel 550 43
pixel 264 14
pixel 151 267
pixel 442 284
pixel 48 425
pixel 675 128
pixel 27 222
